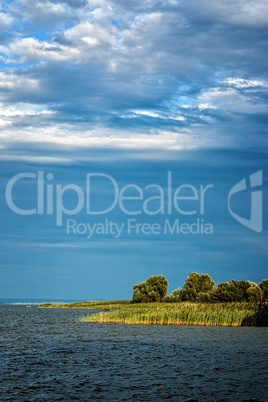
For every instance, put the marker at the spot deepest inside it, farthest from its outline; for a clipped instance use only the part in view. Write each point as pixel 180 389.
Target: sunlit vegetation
pixel 199 302
pixel 225 314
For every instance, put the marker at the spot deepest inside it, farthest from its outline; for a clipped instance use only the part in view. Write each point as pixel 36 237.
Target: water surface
pixel 46 354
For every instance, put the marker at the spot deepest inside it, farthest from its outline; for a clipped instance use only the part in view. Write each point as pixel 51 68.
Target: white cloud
pixel 243 13
pixel 4 122
pixel 36 10
pixel 83 42
pixel 4 49
pixel 234 97
pixel 90 34
pixel 43 160
pixel 154 114
pixel 13 81
pixel 5 20
pixel 242 83
pixel 22 109
pixel 230 100
pixel 101 137
pixel 203 106
pixel 254 12
pixel 30 49
pixel 146 113
pixel 11 114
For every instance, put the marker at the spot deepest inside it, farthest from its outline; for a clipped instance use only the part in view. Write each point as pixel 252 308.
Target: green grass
pixel 124 311
pixel 231 314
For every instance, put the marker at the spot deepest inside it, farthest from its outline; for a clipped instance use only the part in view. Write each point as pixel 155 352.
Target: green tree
pixel 203 297
pixel 264 288
pixel 243 287
pixel 174 297
pixel 233 291
pixel 254 293
pixel 195 284
pixel 154 289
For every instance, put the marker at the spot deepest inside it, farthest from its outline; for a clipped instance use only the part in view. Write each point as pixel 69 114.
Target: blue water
pixel 47 355
pixel 35 301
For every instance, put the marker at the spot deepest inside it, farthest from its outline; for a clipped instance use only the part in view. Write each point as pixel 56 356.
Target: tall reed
pixel 231 314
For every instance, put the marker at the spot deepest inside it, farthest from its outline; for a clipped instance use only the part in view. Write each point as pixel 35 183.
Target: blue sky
pixel 132 89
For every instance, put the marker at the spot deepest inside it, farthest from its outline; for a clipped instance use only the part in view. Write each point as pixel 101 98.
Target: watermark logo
pixel 131 200
pixel 101 196
pixel 255 220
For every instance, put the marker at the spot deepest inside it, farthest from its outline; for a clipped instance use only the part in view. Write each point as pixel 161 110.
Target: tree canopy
pixel 195 284
pixel 154 289
pixel 200 288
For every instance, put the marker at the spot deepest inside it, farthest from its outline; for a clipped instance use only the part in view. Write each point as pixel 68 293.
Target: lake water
pixel 47 355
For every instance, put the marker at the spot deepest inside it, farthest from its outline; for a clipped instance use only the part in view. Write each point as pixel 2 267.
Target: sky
pixel 129 93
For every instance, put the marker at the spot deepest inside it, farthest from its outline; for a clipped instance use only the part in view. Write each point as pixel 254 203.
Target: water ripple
pixel 47 355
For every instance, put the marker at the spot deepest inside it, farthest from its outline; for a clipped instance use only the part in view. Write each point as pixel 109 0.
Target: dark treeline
pixel 201 288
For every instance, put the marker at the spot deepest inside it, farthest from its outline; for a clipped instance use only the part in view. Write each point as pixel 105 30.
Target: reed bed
pixel 231 314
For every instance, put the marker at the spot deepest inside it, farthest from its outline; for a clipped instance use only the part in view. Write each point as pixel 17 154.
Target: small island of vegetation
pixel 199 302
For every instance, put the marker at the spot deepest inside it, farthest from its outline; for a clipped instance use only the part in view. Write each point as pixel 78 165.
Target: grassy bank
pixel 126 312
pixel 115 304
pixel 231 314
